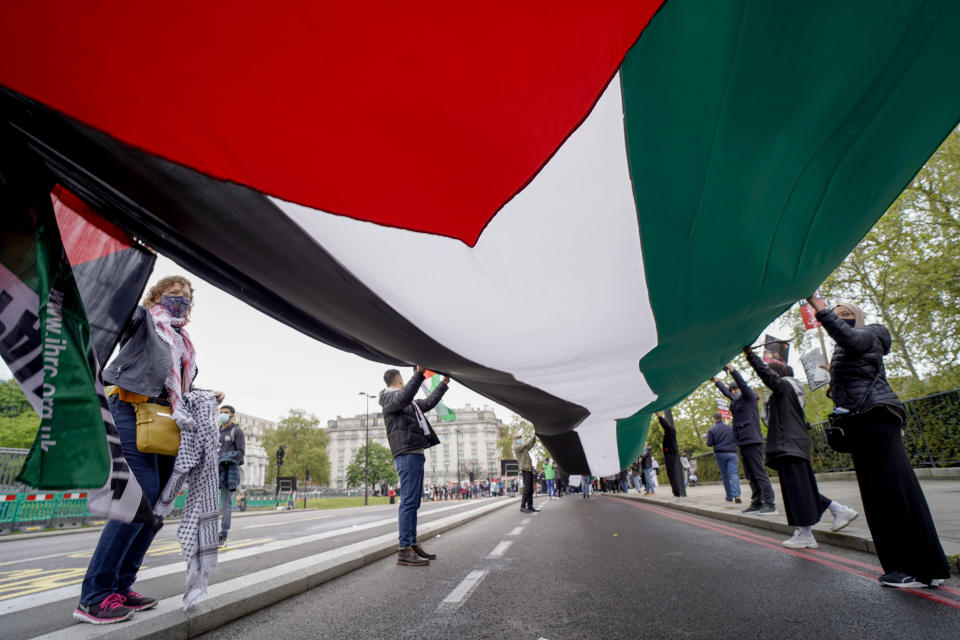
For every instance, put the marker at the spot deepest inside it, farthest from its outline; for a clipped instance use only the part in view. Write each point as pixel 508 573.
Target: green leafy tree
pixel 382 469
pixel 525 429
pixel 906 273
pixel 305 445
pixel 18 421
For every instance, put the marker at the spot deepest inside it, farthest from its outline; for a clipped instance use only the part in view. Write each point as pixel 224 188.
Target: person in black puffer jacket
pixel 893 502
pixel 788 451
pixel 409 433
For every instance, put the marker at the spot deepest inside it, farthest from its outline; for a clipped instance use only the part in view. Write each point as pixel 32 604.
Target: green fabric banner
pixel 70 451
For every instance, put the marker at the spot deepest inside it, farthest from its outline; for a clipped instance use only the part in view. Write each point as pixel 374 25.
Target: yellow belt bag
pixel 157 431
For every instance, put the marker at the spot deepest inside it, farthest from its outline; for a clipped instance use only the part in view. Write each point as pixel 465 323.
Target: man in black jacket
pixel 746 429
pixel 409 434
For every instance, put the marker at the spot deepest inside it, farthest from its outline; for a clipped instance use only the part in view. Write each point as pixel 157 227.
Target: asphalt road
pixel 40 577
pixel 610 568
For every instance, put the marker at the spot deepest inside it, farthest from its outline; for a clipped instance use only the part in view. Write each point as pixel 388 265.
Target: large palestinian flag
pixel 608 199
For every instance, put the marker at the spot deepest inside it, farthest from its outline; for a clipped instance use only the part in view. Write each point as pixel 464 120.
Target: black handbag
pixel 837 437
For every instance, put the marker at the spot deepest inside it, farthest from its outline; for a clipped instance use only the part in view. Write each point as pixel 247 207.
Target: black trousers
pixel 751 455
pixel 674 474
pixel 801 496
pixel 526 502
pixel 893 502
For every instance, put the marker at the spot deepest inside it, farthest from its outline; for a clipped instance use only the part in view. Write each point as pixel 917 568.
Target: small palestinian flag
pixel 613 197
pixel 430 383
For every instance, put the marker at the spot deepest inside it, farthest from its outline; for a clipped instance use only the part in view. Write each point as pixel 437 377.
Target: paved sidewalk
pixel 943 496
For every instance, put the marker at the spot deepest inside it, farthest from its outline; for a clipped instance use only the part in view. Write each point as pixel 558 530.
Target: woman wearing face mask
pixel 156 363
pixel 893 502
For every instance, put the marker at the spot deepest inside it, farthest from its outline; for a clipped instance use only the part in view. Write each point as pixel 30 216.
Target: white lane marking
pixel 274 524
pixel 500 549
pixel 73 591
pixel 526 521
pixel 52 555
pixel 516 531
pixel 460 593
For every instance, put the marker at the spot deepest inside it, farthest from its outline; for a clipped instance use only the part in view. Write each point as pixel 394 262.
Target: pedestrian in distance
pixel 521 450
pixel 746 430
pixel 637 477
pixel 550 475
pixel 872 419
pixel 409 434
pixel 232 451
pixel 788 451
pixel 156 364
pixel 685 466
pixel 646 465
pixel 720 437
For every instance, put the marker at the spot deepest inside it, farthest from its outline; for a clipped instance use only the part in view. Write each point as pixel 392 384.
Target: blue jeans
pixel 122 546
pixel 648 480
pixel 552 488
pixel 727 462
pixel 637 483
pixel 410 469
pixel 226 507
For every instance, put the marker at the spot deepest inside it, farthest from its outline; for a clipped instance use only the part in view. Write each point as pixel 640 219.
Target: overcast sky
pixel 265 368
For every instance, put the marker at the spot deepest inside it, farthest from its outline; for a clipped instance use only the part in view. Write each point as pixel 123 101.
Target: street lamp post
pixel 366 446
pixel 458 458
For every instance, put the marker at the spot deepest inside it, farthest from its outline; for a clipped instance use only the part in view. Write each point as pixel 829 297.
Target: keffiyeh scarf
pixel 196 465
pixel 181 348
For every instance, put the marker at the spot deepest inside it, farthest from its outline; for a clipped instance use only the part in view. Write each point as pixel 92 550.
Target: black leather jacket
pixel 144 359
pixel 403 429
pixel 857 376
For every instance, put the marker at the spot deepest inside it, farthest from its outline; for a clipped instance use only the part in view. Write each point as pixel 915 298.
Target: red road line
pixel 825 554
pixel 769 544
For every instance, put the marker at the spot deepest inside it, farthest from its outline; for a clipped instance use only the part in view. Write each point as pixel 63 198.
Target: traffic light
pixel 280 456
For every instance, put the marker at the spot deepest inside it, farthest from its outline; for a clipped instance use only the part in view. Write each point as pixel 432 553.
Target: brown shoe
pixel 423 554
pixel 407 556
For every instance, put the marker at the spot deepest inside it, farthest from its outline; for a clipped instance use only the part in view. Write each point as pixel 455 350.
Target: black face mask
pixel 851 322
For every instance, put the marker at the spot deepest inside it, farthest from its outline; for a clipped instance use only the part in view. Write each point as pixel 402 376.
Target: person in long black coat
pixel 671 455
pixel 788 451
pixel 873 418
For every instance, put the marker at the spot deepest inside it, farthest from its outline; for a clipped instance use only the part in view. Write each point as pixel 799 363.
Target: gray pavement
pixel 610 568
pixel 943 497
pixel 39 577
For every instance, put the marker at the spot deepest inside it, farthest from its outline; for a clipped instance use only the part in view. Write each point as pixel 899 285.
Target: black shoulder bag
pixel 837 438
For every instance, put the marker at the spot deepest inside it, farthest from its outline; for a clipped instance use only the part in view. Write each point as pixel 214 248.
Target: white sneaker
pixel 800 541
pixel 842 518
pixel 936 582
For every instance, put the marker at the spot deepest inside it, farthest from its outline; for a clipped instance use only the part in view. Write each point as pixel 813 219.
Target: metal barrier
pixel 11 461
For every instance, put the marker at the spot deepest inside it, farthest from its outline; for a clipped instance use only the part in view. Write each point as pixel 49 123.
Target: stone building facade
pixel 255 461
pixel 471 439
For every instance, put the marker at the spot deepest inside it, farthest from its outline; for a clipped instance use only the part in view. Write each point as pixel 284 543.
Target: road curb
pixel 232 599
